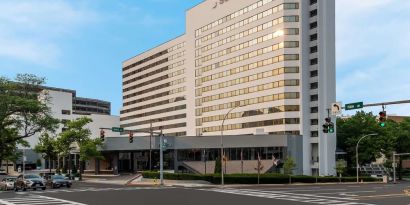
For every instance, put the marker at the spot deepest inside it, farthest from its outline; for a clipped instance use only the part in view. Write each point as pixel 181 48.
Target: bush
pixel 253 178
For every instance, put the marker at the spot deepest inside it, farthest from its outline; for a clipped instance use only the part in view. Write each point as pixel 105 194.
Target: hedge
pixel 253 178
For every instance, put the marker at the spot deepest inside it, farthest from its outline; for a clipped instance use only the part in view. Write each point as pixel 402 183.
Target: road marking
pixel 288 196
pixel 380 196
pixel 37 200
pixel 51 191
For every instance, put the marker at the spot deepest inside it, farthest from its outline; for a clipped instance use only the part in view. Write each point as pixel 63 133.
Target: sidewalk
pixel 109 179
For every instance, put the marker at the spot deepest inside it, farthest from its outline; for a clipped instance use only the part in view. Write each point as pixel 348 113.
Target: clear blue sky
pixel 81 44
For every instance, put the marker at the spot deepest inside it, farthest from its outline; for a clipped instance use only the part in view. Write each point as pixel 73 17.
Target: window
pixel 314 122
pixel 314 85
pixel 313 49
pixel 313 61
pixel 313 13
pixel 313 2
pixel 314 134
pixel 314 98
pixel 65 112
pixel 314 110
pixel 313 37
pixel 313 25
pixel 313 73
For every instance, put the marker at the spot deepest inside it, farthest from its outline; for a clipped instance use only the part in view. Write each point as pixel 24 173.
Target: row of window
pixel 282 121
pixel 232 16
pixel 146 67
pixel 145 60
pixel 269 24
pixel 263 99
pixel 288 132
pixel 155 112
pixel 159 103
pixel 244 68
pixel 241 46
pixel 166 93
pixel 160 70
pixel 248 113
pixel 165 85
pixel 247 21
pixel 164 77
pixel 177 55
pixel 246 79
pixel 162 119
pixel 249 55
pixel 244 91
pixel 162 127
pixel 178 46
pixel 274 47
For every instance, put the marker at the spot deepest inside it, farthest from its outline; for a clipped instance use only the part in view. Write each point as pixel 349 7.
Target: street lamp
pixel 357 154
pixel 222 144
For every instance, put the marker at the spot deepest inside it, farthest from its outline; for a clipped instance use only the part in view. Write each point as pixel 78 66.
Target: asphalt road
pixel 100 194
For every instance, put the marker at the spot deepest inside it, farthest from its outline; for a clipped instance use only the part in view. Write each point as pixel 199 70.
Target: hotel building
pixel 269 63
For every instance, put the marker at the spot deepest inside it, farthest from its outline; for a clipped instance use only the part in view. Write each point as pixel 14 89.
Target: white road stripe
pixel 37 200
pixel 287 196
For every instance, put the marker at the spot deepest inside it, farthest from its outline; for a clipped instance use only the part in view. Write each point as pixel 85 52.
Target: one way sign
pixel 336 108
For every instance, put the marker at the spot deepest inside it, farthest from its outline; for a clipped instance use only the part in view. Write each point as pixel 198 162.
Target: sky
pixel 81 44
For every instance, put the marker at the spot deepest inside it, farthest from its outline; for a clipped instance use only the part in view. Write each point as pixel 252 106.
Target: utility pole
pixel 161 158
pixel 394 167
pixel 150 146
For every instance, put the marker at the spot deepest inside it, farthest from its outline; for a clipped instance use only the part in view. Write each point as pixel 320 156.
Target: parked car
pixel 2 171
pixel 57 181
pixel 29 181
pixel 7 183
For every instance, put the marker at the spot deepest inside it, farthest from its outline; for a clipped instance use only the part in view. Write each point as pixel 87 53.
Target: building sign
pixel 219 2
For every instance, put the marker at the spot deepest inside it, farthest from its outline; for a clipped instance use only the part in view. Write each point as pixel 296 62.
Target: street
pixel 104 194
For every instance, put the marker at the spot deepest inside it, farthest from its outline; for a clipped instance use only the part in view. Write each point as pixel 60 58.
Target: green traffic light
pixel 331 130
pixel 382 124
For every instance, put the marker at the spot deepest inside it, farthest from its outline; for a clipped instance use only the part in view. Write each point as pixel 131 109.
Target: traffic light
pixel 382 118
pixel 329 126
pixel 102 134
pixel 131 137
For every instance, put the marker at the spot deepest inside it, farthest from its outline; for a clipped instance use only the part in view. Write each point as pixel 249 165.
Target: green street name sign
pixel 117 129
pixel 352 106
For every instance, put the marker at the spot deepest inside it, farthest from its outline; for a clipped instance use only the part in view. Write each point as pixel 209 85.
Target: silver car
pixel 7 183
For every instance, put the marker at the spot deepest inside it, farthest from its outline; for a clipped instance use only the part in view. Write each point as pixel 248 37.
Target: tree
pixel 403 142
pixel 47 147
pixel 350 130
pixel 218 166
pixel 340 168
pixel 288 167
pixel 75 133
pixel 23 111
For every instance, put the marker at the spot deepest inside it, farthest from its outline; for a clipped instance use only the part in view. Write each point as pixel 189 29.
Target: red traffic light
pixel 102 134
pixel 328 119
pixel 131 137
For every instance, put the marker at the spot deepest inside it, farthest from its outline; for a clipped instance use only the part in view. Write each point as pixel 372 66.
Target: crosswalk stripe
pixel 288 196
pixel 37 200
pixel 50 191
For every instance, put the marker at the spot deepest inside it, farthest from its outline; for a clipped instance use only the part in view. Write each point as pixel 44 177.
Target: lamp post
pixel 357 155
pixel 222 144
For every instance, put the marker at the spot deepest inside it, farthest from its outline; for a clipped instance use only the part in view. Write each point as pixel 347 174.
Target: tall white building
pixel 271 63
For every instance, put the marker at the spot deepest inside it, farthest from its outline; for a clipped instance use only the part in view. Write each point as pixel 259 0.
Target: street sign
pixel 352 106
pixel 336 108
pixel 394 164
pixel 117 129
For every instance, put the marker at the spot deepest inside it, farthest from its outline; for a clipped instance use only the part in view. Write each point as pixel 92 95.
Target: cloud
pixel 373 40
pixel 30 31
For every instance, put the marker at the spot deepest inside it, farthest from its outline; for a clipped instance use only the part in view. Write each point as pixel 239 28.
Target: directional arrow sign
pixel 117 129
pixel 352 106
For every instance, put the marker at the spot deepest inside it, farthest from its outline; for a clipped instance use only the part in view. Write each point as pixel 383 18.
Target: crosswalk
pixel 289 196
pixel 37 200
pixel 89 189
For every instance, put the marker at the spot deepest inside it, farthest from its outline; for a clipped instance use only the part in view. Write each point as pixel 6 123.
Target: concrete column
pixel 115 163
pixel 97 167
pixel 175 160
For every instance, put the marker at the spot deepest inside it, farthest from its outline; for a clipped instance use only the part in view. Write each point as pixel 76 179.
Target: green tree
pixel 23 111
pixel 403 142
pixel 47 147
pixel 340 168
pixel 288 167
pixel 350 130
pixel 76 133
pixel 218 166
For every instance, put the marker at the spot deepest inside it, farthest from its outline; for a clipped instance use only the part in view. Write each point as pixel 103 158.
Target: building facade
pixel 270 64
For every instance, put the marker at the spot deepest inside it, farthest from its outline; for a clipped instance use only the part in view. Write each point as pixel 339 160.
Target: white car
pixel 7 183
pixel 2 172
